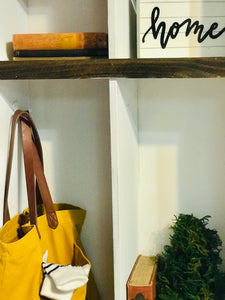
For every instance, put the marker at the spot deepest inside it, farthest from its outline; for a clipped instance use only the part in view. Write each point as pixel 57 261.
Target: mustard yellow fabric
pixel 20 260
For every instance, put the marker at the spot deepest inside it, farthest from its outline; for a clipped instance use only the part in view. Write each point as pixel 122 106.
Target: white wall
pixel 13 20
pixel 182 163
pixel 67 16
pixel 12 94
pixel 5 114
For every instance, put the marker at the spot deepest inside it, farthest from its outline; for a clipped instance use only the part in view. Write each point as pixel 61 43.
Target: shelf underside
pixel 114 68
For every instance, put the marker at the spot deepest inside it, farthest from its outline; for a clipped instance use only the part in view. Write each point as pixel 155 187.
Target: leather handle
pixel 18 114
pixel 25 116
pixel 15 118
pixel 29 171
pixel 33 160
pixel 33 166
pixel 45 193
pixel 14 121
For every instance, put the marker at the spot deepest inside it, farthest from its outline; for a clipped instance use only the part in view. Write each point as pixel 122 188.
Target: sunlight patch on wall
pixel 157 194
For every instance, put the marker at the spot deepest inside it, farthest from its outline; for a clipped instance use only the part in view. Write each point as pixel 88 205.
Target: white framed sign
pixel 180 28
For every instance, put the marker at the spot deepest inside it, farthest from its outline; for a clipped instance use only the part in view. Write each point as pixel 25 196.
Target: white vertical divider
pixel 124 145
pixel 121 29
pixel 124 156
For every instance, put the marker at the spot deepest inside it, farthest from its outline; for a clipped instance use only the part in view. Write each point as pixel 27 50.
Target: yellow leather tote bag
pixel 41 255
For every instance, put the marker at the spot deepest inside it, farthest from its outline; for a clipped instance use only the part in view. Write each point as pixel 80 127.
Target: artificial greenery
pixel 188 268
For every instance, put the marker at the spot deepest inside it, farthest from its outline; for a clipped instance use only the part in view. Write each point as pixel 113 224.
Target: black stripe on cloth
pixel 52 270
pixel 45 267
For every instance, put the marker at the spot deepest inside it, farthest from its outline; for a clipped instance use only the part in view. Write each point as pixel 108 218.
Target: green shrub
pixel 188 268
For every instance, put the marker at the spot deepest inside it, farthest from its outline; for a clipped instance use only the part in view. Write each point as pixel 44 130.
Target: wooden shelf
pixel 113 68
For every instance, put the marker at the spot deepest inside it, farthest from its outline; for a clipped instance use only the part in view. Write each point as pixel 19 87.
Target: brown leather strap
pixel 33 166
pixel 35 136
pixel 25 116
pixel 33 160
pixel 45 193
pixel 15 118
pixel 29 171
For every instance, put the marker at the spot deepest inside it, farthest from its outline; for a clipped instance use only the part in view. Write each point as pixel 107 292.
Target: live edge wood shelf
pixel 113 68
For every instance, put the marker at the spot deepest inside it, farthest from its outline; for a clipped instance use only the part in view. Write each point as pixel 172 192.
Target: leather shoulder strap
pixel 33 159
pixel 15 118
pixel 33 166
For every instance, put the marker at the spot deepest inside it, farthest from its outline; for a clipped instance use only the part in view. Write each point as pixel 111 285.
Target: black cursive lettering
pixel 174 29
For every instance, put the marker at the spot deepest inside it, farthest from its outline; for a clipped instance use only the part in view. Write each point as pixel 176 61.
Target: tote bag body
pixel 21 259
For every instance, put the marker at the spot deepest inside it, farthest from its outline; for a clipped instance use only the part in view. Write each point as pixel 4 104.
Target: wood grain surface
pixel 114 68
